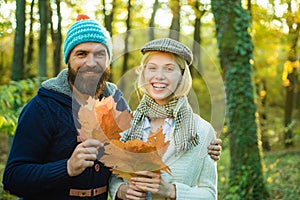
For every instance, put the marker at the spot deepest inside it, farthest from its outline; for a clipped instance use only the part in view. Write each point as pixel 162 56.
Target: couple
pixel 47 162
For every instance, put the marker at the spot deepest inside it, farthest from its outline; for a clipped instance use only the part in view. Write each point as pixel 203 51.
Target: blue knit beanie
pixel 86 30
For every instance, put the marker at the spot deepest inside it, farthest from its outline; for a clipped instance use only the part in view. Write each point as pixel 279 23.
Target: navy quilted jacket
pixel 45 138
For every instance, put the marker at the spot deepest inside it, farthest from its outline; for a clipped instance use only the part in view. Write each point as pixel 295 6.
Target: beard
pixel 90 85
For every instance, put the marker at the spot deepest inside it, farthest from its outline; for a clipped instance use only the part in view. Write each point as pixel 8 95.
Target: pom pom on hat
pixel 81 17
pixel 170 46
pixel 86 30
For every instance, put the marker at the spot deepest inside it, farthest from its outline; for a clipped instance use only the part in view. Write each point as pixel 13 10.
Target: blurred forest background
pixel 250 46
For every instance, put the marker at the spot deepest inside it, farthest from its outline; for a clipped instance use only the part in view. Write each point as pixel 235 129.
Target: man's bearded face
pixel 90 85
pixel 89 68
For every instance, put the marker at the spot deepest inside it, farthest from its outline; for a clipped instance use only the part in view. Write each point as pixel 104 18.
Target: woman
pixel 165 80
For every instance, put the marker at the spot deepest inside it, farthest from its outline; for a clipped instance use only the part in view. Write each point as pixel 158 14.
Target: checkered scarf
pixel 179 109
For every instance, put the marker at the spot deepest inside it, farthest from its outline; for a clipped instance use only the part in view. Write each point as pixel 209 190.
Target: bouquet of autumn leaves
pixel 102 121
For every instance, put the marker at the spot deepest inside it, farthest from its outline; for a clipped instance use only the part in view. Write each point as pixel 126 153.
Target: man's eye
pixel 100 54
pixel 81 54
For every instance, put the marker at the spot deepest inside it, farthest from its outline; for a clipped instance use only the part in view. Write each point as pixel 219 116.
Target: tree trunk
pixel 56 40
pixel 249 8
pixel 108 18
pixel 30 48
pixel 19 42
pixel 235 46
pixel 128 26
pixel 126 53
pixel 292 77
pixel 57 52
pixel 152 19
pixel 288 110
pixel 262 93
pixel 43 13
pixel 175 25
pixel 197 39
pixel 298 103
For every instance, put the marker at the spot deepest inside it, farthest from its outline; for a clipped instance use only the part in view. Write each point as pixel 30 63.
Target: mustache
pixel 89 69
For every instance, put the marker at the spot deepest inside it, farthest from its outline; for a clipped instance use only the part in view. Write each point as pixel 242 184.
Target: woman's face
pixel 162 76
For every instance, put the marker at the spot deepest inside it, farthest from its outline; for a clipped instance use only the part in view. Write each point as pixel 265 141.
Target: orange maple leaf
pixel 101 120
pixel 158 140
pixel 125 158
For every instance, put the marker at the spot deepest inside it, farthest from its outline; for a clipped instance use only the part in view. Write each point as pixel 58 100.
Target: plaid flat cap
pixel 171 46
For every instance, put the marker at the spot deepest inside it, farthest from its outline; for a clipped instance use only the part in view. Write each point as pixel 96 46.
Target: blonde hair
pixel 186 80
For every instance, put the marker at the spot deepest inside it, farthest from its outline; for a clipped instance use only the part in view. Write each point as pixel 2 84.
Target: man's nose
pixel 90 60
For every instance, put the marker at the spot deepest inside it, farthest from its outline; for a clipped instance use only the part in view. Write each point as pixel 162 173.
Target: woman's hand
pixel 215 148
pixel 152 182
pixel 130 192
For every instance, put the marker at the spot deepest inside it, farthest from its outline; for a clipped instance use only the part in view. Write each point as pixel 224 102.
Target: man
pixel 46 160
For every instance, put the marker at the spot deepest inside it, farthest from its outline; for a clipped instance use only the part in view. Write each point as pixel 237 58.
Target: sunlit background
pixel 272 31
pixel 162 19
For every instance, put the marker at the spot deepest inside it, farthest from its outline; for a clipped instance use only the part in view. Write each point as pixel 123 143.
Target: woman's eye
pixel 169 68
pixel 151 68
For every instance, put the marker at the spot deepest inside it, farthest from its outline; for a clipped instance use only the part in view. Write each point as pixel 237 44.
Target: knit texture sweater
pixel 45 139
pixel 193 172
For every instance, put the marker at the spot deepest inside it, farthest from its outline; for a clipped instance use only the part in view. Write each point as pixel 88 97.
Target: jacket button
pixel 97 167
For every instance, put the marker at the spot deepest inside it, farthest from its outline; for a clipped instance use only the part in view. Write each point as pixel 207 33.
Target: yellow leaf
pixel 2 120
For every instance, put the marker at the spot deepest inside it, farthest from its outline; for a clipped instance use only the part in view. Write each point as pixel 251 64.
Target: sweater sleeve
pixel 26 170
pixel 194 173
pixel 206 187
pixel 114 184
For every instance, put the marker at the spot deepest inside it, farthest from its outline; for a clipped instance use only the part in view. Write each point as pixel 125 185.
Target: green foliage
pixel 12 99
pixel 281 175
pixel 243 46
pixel 271 49
pixel 6 46
pixel 232 23
pixel 3 27
pixel 202 105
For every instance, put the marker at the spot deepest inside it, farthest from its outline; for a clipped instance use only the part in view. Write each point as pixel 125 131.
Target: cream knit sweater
pixel 193 172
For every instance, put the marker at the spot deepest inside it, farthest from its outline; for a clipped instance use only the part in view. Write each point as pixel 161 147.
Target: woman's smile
pixel 162 76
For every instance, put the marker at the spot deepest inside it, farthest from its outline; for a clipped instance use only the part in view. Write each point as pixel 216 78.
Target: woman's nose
pixel 160 74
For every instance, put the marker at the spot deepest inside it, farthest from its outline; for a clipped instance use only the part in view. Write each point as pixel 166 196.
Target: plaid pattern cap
pixel 171 46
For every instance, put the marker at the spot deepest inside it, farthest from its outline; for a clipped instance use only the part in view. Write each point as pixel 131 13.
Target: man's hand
pixel 83 156
pixel 215 149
